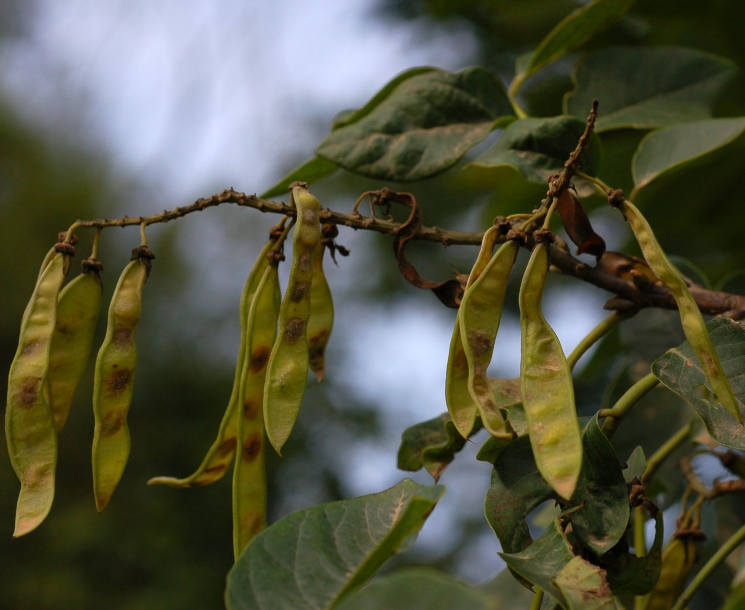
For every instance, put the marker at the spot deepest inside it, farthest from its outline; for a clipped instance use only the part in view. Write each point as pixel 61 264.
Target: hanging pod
pixel 321 319
pixel 29 424
pixel 287 371
pixel 546 383
pixel 113 381
pixel 691 319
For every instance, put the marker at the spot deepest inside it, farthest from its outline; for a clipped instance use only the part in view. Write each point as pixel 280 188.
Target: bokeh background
pixel 112 108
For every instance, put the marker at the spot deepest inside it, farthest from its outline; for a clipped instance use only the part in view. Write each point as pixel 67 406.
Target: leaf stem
pixel 537 599
pixel 595 335
pixel 732 543
pixel 623 405
pixel 512 96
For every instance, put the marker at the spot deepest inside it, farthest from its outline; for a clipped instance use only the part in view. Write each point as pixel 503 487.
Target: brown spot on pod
pixel 299 291
pixel 217 469
pixel 294 330
pixel 112 422
pixel 310 216
pixel 122 337
pixel 32 346
pixel 28 392
pixel 259 358
pixel 250 410
pixel 226 447
pixel 304 262
pixel 480 342
pixel 118 381
pixel 252 447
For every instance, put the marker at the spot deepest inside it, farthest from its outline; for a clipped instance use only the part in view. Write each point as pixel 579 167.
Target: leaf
pixel 667 150
pixel 680 370
pixel 432 444
pixel 635 465
pixel 539 147
pixel 543 560
pixel 584 586
pixel 310 171
pixel 416 589
pixel 311 558
pixel 572 32
pixel 644 88
pixel 418 125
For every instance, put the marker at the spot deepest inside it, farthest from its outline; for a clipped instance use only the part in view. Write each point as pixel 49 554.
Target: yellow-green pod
pixel 77 314
pixel 479 315
pixel 288 363
pixel 113 381
pixel 249 476
pixel 678 559
pixel 546 385
pixel 29 425
pixel 220 454
pixel 691 319
pixel 321 319
pixel 461 405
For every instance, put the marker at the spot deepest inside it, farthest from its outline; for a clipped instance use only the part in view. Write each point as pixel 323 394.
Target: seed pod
pixel 288 363
pixel 321 319
pixel 220 454
pixel 546 385
pixel 479 315
pixel 461 406
pixel 29 425
pixel 249 476
pixel 678 559
pixel 114 378
pixel 77 313
pixel 691 319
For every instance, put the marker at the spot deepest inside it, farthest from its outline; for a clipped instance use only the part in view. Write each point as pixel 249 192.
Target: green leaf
pixel 667 150
pixel 572 32
pixel 543 560
pixel 644 88
pixel 680 370
pixel 419 125
pixel 635 465
pixel 584 586
pixel 539 147
pixel 311 558
pixel 416 589
pixel 492 449
pixel 432 444
pixel 311 171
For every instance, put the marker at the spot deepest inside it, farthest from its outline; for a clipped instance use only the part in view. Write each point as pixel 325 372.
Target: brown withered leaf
pixel 577 225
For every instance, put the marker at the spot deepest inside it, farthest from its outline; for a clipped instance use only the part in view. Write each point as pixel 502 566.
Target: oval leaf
pixel 539 147
pixel 644 88
pixel 584 586
pixel 680 370
pixel 311 558
pixel 667 150
pixel 432 444
pixel 416 589
pixel 419 125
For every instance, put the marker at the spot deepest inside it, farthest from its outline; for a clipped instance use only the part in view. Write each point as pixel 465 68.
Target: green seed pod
pixel 691 319
pixel 678 559
pixel 288 363
pixel 461 406
pixel 29 424
pixel 480 313
pixel 220 454
pixel 546 385
pixel 321 319
pixel 77 314
pixel 249 476
pixel 113 381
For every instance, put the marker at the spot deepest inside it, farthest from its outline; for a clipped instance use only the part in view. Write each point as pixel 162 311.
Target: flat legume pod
pixel 288 363
pixel 462 408
pixel 113 382
pixel 249 476
pixel 546 385
pixel 321 319
pixel 221 452
pixel 691 319
pixel 29 425
pixel 678 559
pixel 78 309
pixel 480 313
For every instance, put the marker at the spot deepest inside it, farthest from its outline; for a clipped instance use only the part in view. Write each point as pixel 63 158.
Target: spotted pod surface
pixel 221 452
pixel 480 314
pixel 321 320
pixel 113 382
pixel 29 424
pixel 289 361
pixel 691 319
pixel 546 385
pixel 249 476
pixel 78 310
pixel 462 408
